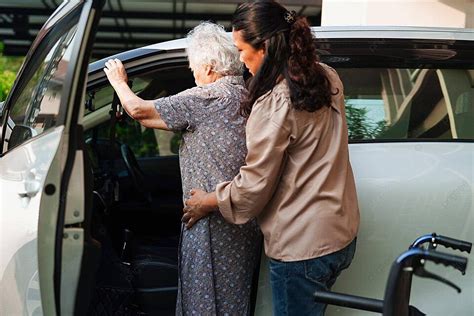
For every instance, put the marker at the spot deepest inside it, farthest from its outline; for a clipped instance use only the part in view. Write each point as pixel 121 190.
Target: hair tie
pixel 290 17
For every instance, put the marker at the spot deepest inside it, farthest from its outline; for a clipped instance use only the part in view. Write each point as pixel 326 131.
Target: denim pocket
pixel 317 270
pixel 328 267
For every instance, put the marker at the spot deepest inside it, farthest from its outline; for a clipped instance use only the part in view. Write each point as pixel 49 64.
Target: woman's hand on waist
pixel 199 205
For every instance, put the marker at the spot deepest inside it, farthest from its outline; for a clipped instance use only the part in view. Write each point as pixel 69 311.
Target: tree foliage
pixel 9 67
pixel 141 141
pixel 360 127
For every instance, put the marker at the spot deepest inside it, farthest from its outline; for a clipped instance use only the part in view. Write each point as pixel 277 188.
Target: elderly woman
pixel 217 259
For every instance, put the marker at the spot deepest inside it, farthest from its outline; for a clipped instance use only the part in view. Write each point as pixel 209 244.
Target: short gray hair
pixel 210 45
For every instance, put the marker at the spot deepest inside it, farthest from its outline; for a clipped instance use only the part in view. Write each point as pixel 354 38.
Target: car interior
pixel 137 203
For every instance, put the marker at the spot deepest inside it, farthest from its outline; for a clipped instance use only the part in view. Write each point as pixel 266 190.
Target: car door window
pixel 147 142
pixel 38 103
pixel 144 142
pixel 408 103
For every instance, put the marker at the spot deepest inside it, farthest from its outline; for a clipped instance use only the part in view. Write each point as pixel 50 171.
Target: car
pixel 91 201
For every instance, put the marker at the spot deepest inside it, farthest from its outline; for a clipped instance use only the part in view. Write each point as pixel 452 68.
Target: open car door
pixel 43 180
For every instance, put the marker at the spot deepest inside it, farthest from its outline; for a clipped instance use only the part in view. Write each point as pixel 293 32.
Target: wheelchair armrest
pixel 349 301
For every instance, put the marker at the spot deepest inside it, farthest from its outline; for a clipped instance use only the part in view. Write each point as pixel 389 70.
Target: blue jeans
pixel 294 283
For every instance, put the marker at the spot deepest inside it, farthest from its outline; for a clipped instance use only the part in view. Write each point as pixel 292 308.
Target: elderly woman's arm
pixel 140 110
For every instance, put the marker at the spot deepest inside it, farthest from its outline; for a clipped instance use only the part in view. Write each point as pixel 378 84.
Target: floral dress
pixel 217 259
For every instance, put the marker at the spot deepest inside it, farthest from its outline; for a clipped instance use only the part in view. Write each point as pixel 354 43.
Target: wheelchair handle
pixel 455 244
pixel 457 262
pixel 445 241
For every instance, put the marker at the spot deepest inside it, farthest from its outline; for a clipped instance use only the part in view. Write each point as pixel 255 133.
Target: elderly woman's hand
pixel 199 205
pixel 115 72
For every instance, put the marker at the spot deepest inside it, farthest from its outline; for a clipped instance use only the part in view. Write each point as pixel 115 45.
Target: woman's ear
pixel 262 50
pixel 209 70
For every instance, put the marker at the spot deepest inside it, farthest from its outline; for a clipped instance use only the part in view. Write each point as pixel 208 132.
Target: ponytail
pixel 309 86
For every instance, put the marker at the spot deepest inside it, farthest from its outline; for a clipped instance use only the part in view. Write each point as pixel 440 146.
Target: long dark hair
pixel 290 52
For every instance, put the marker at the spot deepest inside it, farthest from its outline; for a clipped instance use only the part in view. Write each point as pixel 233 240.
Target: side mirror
pixel 20 134
pixel 1 109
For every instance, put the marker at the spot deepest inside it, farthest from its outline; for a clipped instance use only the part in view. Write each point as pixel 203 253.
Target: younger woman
pixel 297 179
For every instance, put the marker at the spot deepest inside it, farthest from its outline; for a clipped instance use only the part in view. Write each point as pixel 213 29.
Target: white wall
pixel 436 13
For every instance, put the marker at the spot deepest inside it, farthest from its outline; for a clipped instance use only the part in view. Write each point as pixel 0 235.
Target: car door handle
pixel 31 184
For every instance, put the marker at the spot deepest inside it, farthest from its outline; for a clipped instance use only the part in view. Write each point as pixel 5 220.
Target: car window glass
pixel 397 104
pixel 147 142
pixel 103 96
pixel 37 105
pixel 144 142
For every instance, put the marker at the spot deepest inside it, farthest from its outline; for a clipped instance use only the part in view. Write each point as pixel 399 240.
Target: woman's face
pixel 251 57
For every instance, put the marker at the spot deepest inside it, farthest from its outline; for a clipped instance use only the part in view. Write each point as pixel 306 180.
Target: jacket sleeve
pixel 248 193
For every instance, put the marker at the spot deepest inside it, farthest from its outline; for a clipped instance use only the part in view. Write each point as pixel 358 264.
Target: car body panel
pixel 405 190
pixel 35 176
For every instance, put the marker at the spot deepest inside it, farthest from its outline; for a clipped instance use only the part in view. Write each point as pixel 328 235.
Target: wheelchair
pixel 396 301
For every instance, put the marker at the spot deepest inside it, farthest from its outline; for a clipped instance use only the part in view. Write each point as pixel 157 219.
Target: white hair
pixel 210 45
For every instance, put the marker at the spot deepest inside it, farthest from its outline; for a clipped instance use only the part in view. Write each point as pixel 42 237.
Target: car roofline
pixel 321 32
pixel 153 49
pixel 399 32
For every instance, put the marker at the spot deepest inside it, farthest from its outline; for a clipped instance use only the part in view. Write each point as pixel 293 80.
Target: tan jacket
pixel 297 179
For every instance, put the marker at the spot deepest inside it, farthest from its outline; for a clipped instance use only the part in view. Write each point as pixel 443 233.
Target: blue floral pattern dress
pixel 217 259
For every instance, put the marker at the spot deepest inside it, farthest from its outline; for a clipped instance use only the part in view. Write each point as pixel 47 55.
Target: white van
pixel 90 206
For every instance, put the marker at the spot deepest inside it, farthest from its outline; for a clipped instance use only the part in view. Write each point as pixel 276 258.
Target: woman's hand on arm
pixel 199 205
pixel 141 110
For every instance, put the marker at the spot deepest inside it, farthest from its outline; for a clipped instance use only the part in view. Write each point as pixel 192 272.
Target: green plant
pixel 9 67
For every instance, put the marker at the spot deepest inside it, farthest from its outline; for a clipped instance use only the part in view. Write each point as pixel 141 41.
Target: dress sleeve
pixel 182 111
pixel 249 192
